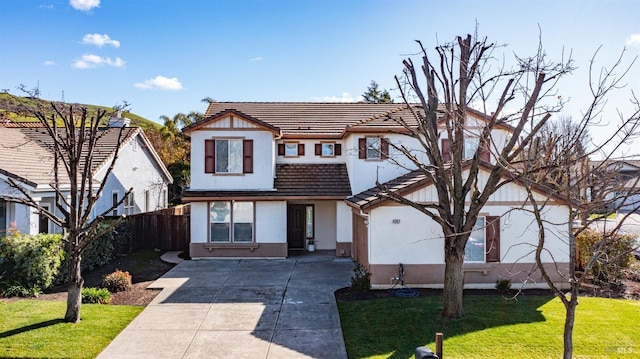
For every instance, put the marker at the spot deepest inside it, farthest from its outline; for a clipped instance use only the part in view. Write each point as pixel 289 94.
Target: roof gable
pixel 230 119
pixel 418 187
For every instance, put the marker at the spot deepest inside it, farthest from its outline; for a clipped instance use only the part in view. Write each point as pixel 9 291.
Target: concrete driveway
pixel 249 308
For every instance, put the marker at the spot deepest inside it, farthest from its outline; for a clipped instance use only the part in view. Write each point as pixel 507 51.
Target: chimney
pixel 118 120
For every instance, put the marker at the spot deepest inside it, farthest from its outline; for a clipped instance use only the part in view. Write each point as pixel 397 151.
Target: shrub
pixel 503 286
pixel 361 280
pixel 614 257
pixel 96 296
pixel 117 281
pixel 99 252
pixel 29 263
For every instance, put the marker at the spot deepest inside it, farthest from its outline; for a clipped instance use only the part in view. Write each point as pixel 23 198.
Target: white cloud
pixel 49 63
pixel 100 40
pixel 346 97
pixel 84 5
pixel 90 61
pixel 633 39
pixel 259 58
pixel 160 83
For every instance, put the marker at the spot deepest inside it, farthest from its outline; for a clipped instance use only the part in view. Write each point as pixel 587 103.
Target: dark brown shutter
pixel 493 238
pixel 318 149
pixel 300 149
pixel 337 149
pixel 247 156
pixel 280 149
pixel 209 156
pixel 485 155
pixel 362 148
pixel 446 150
pixel 384 148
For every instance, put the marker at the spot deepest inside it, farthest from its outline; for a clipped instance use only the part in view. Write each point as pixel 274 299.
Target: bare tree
pixel 590 187
pixel 440 94
pixel 75 135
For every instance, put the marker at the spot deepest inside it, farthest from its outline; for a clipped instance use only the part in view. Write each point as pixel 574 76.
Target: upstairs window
pixel 373 148
pixel 228 156
pixel 470 146
pixel 114 203
pixel 130 203
pixel 291 149
pixel 328 149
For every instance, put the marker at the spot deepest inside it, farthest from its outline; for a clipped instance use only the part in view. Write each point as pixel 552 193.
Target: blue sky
pixel 163 57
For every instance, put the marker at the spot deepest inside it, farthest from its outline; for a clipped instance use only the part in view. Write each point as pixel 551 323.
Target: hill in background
pixel 13 108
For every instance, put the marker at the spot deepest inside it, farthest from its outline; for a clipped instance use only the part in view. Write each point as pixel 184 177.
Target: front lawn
pixel 530 327
pixel 35 329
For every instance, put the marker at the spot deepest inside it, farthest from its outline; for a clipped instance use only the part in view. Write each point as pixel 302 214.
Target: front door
pixel 295 226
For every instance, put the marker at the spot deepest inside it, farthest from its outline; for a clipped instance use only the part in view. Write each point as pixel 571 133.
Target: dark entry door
pixel 295 226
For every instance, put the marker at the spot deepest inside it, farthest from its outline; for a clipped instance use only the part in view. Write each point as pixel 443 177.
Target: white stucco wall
pixel 363 173
pixel 344 222
pixel 271 222
pixel 325 222
pixel 199 222
pixel 135 168
pixel 263 160
pixel 416 239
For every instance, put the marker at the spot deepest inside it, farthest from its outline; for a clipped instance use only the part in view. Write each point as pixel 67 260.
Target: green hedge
pixel 615 256
pixel 29 264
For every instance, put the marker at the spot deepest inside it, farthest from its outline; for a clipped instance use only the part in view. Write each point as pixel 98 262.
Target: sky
pixel 164 57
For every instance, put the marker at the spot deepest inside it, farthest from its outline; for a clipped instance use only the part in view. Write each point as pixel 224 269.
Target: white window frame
pixel 479 232
pixel 234 154
pixel 471 145
pixel 130 204
pixel 231 221
pixel 328 149
pixel 373 148
pixel 114 200
pixel 291 149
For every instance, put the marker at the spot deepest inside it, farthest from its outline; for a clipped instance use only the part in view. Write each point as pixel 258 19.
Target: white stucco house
pixel 27 159
pixel 268 178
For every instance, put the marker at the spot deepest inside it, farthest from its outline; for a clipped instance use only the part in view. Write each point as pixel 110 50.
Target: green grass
pixel 530 327
pixel 34 329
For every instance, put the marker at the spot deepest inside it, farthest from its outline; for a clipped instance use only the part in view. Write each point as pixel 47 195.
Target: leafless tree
pixel 441 92
pixel 75 134
pixel 590 186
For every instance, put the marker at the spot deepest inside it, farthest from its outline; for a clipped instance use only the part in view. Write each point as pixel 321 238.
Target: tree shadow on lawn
pixel 396 326
pixel 26 328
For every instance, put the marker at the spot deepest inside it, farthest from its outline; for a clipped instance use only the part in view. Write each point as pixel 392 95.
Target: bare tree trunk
pixel 453 283
pixel 74 294
pixel 568 326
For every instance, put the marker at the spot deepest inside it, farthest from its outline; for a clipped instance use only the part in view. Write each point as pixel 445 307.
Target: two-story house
pixel 28 159
pixel 267 178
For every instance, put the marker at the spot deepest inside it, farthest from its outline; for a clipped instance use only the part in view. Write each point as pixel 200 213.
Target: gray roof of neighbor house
pixel 323 119
pixel 27 152
pixel 303 181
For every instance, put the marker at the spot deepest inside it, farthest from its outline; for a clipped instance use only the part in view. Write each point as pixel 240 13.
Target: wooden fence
pixel 166 229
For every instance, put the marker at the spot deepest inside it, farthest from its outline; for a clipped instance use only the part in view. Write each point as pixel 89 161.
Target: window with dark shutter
pixel 247 156
pixel 338 149
pixel 446 150
pixel 280 149
pixel 485 155
pixel 493 239
pixel 209 156
pixel 318 149
pixel 300 149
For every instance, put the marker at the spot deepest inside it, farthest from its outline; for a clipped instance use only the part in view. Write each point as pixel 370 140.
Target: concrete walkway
pixel 241 309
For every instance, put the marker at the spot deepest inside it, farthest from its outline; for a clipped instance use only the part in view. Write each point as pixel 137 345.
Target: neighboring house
pixel 621 184
pixel 267 178
pixel 27 159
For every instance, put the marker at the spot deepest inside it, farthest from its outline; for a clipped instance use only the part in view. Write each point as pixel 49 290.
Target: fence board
pixel 166 230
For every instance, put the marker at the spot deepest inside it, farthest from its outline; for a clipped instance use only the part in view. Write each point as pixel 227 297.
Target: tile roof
pixel 308 118
pixel 308 181
pixel 27 153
